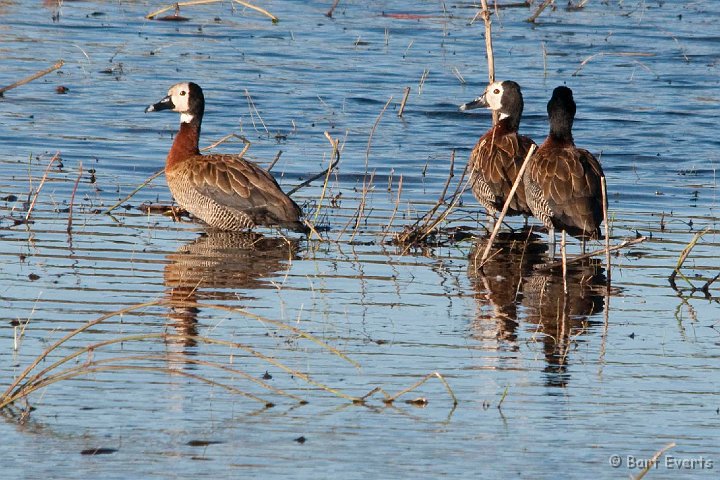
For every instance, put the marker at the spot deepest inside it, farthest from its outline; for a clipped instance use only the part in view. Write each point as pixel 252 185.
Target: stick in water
pixel 32 77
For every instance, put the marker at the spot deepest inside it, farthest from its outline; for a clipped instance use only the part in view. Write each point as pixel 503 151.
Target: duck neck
pixel 561 128
pixel 563 136
pixel 508 124
pixel 185 144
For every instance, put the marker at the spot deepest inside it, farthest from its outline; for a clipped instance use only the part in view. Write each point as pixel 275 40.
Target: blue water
pixel 578 377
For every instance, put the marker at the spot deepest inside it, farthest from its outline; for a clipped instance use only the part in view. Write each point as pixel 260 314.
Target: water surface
pixel 581 376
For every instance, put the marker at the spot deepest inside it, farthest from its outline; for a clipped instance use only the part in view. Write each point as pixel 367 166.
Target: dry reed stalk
pixel 71 334
pixel 498 222
pixel 277 324
pixel 329 13
pixel 606 329
pixel 614 54
pixel 458 75
pixel 252 108
pixel 653 460
pixel 32 77
pixel 563 255
pixel 137 189
pixel 93 367
pixel 42 378
pixel 620 246
pixel 395 210
pixel 391 398
pixel 275 160
pixel 406 93
pixel 335 156
pixel 357 216
pixel 539 10
pixel 178 358
pixel 603 187
pixel 489 50
pixel 423 77
pixel 72 198
pixel 227 137
pixel 418 233
pixel 306 378
pixel 366 184
pixel 42 182
pixel 191 3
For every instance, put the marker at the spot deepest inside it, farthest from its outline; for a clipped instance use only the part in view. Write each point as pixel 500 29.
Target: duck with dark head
pixel 227 192
pixel 563 182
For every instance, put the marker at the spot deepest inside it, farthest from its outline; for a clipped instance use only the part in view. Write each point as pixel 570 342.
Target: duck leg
pixel 551 235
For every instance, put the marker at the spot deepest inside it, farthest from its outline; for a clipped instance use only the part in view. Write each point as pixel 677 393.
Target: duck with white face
pixel 227 192
pixel 499 153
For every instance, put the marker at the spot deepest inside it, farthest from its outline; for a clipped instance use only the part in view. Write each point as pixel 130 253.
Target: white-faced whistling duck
pixel 226 192
pixel 563 182
pixel 500 152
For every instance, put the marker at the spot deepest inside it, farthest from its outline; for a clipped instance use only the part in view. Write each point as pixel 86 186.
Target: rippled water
pixel 579 377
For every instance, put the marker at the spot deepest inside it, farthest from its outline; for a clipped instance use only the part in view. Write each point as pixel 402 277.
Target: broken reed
pixel 32 77
pixel 176 7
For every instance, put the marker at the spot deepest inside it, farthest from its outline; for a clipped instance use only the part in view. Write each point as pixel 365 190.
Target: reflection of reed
pixel 215 265
pixel 508 284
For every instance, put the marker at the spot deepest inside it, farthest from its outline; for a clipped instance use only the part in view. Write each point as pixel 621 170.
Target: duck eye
pixel 496 91
pixel 182 94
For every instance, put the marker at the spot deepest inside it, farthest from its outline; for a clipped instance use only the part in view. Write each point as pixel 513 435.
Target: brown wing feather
pixel 495 162
pixel 240 186
pixel 566 192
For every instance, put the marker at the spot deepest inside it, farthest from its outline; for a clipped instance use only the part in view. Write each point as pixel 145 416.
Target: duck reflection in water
pixel 509 289
pixel 215 266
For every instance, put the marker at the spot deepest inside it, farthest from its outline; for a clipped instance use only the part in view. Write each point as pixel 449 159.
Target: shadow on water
pixel 215 267
pixel 510 289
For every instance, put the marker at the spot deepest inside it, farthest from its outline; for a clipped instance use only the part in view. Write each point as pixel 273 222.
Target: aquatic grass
pixel 31 380
pixel 583 256
pixel 367 183
pixel 705 288
pixel 40 186
pixel 389 399
pixel 254 112
pixel 396 206
pixel 176 6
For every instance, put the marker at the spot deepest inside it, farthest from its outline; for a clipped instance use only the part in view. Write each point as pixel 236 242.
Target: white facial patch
pixel 493 96
pixel 180 93
pixel 186 117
